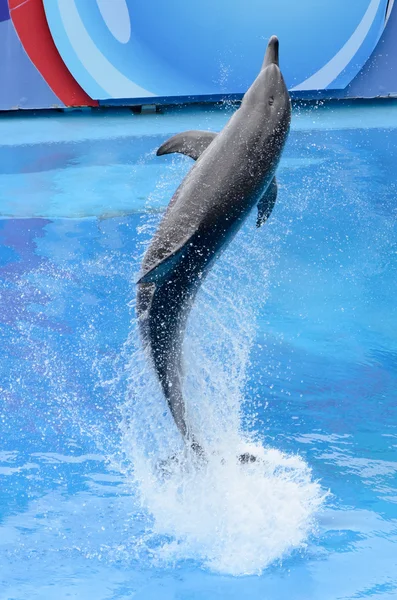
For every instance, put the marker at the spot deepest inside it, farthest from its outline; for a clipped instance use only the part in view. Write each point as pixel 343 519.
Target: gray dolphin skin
pixel 233 172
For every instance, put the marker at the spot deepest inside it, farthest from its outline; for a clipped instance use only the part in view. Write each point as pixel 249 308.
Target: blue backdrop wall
pixel 85 52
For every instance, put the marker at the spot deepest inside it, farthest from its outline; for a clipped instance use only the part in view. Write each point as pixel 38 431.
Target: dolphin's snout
pixel 271 56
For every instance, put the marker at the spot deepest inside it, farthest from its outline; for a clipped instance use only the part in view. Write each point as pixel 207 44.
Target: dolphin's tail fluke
pixel 161 323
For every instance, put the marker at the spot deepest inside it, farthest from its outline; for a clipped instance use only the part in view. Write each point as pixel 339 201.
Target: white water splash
pixel 235 518
pixel 231 518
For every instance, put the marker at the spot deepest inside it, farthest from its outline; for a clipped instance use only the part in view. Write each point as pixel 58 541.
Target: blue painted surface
pixel 379 76
pixel 4 12
pixel 122 51
pixel 172 60
pixel 21 85
pixel 319 283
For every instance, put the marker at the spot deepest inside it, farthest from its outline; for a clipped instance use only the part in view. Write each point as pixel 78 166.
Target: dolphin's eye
pixel 271 100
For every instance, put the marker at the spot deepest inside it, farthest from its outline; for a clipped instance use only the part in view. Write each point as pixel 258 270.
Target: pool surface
pixel 291 349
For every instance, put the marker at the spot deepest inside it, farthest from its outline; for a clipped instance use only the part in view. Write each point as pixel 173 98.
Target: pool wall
pixel 61 53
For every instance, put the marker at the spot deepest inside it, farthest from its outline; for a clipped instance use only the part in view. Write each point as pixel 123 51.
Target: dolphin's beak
pixel 271 56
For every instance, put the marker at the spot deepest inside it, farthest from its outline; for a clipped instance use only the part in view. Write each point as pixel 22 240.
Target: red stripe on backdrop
pixel 29 20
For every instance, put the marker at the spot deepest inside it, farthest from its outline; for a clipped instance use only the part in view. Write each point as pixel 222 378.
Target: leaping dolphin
pixel 234 170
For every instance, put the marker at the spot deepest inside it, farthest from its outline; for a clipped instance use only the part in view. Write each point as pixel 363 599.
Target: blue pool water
pixel 292 348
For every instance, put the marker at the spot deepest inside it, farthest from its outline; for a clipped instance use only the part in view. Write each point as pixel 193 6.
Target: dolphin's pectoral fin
pixel 161 269
pixel 267 202
pixel 191 143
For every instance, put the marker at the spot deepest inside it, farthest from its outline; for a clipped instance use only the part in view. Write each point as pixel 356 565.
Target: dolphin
pixel 234 171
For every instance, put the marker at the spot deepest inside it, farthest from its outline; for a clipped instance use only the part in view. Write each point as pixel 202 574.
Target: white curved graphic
pixel 117 18
pixel 389 9
pixel 114 83
pixel 329 72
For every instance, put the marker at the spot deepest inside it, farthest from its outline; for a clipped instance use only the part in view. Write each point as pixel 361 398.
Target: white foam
pixel 235 519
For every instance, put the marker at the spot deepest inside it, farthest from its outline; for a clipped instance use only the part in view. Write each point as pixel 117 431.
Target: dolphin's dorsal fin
pixel 267 202
pixel 192 143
